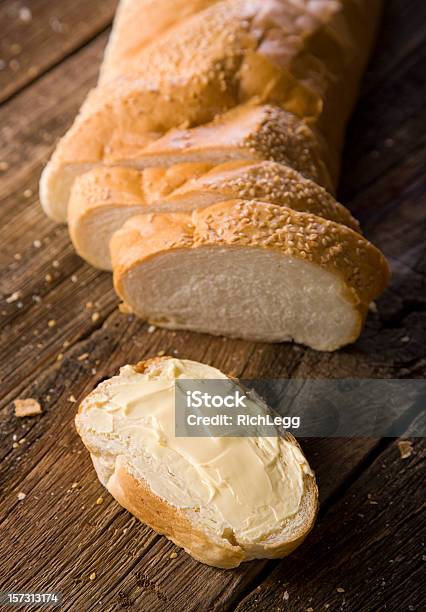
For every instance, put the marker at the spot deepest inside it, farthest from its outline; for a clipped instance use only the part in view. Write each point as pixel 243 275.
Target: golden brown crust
pixel 252 224
pixel 115 186
pixel 136 496
pixel 131 34
pixel 101 193
pixel 251 132
pixel 270 182
pixel 205 58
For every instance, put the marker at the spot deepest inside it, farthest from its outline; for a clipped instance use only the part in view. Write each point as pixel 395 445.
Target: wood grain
pixel 364 555
pixel 57 536
pixel 37 34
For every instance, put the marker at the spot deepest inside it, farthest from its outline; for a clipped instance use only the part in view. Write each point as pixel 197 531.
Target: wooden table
pixel 365 552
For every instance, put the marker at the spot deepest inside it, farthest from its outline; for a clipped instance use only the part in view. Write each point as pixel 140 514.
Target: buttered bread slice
pixel 224 500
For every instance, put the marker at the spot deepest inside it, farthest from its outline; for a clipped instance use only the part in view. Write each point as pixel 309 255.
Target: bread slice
pixel 251 270
pixel 247 132
pixel 104 198
pixel 263 132
pixel 224 500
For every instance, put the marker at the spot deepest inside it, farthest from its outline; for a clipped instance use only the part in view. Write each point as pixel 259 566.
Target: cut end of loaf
pixel 56 182
pixel 249 293
pixel 250 270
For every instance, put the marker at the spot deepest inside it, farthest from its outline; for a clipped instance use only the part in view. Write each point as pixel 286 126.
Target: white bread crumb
pixel 27 407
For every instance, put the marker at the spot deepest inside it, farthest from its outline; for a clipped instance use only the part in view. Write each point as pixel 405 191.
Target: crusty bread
pixel 245 133
pixel 131 34
pixel 208 58
pixel 104 198
pixel 205 103
pixel 224 500
pixel 249 269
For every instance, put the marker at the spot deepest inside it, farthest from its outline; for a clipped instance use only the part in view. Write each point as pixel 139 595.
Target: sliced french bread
pixel 195 60
pixel 251 270
pixel 245 133
pixel 104 198
pixel 224 500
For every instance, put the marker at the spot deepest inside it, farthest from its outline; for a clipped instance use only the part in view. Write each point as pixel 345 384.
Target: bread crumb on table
pixel 92 576
pixel 27 407
pixel 14 297
pixel 25 14
pixel 340 590
pixel 173 555
pixel 99 501
pixel 405 448
pixel 21 496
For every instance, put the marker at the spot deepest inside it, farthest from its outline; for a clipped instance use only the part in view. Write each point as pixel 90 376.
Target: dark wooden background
pixel 365 552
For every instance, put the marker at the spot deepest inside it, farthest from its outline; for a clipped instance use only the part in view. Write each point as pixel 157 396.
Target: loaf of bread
pixel 104 198
pixel 224 500
pixel 205 106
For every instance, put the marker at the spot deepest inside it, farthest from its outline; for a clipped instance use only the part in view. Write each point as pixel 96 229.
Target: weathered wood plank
pixel 399 37
pixel 387 121
pixel 31 123
pixel 364 554
pixel 51 458
pixel 37 34
pixel 38 265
